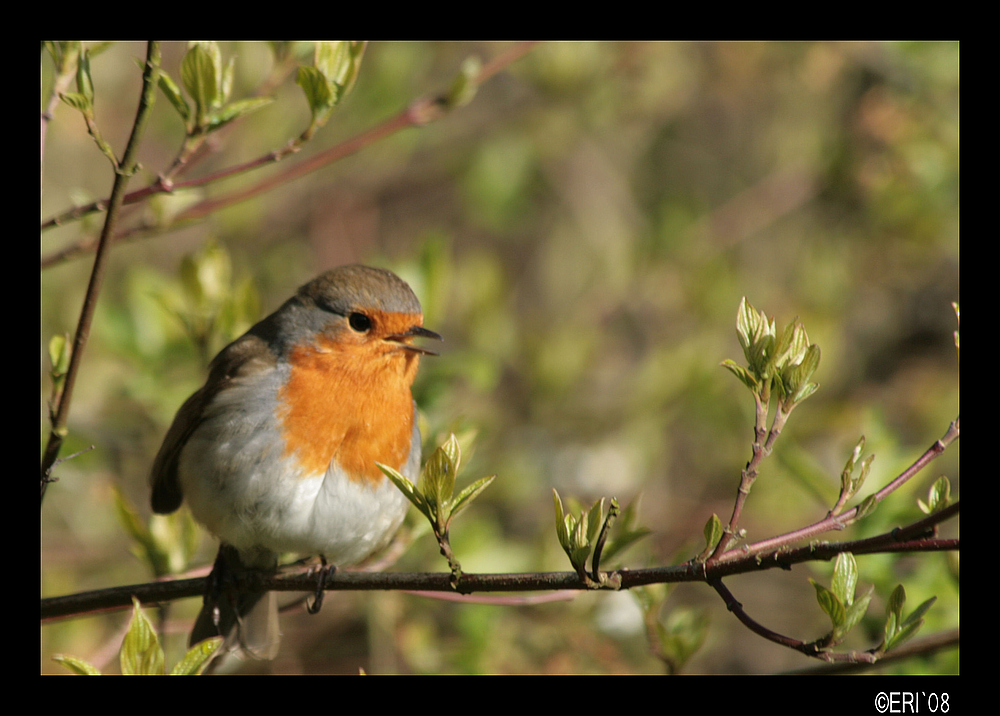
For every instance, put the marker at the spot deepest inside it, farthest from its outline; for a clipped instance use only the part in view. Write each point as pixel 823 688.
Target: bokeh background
pixel 581 233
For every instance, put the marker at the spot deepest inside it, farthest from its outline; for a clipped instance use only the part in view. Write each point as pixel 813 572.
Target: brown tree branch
pixel 167 590
pixel 126 168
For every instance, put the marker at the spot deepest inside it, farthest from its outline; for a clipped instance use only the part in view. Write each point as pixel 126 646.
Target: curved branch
pixel 807 648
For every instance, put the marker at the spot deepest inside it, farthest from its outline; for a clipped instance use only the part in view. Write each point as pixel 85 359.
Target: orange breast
pixel 350 403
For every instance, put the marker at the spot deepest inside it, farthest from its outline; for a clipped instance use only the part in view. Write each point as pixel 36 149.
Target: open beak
pixel 402 339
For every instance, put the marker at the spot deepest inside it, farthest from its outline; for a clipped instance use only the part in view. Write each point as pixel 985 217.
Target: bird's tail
pixel 247 619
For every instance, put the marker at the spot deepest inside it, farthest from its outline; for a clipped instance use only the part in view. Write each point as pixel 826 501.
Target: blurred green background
pixel 581 234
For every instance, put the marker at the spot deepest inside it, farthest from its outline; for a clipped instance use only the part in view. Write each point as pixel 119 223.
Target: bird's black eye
pixel 359 322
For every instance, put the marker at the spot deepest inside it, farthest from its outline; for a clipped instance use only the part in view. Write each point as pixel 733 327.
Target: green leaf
pixel 173 94
pixel 784 350
pixel 78 101
pixel 320 93
pixel 562 526
pixel 201 73
pixel 79 666
pixel 757 337
pixel 918 613
pixel 854 613
pixel 408 489
pixel 595 518
pixel 845 577
pixel 465 85
pixel 340 62
pixel 866 507
pixel 681 635
pixel 742 373
pixel 84 83
pixel 938 497
pixel 578 536
pixel 574 533
pixel 335 68
pixel 830 603
pixel 452 449
pixel 59 354
pixel 437 479
pixel 197 657
pixel 578 557
pixel 795 376
pixel 846 481
pixel 897 629
pixel 712 532
pixel 235 110
pixel 896 600
pixel 750 325
pixel 226 83
pixel 625 533
pixel 866 466
pixel 466 496
pixel 141 653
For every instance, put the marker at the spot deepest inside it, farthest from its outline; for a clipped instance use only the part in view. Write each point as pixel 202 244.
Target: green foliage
pixel 434 494
pixel 938 497
pixel 208 80
pixel 676 634
pixel 141 654
pixel 784 363
pixel 60 351
pixel 465 85
pixel 333 73
pixel 839 601
pixel 165 542
pixel 845 610
pixel 713 532
pixel 210 307
pixel 849 482
pixel 577 534
pixel 898 629
pixel 83 101
pixel 589 532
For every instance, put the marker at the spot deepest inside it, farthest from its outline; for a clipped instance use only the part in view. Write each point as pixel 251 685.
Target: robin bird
pixel 277 451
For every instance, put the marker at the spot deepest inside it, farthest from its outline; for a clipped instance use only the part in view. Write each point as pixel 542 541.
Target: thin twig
pixel 807 648
pixel 126 167
pixel 838 522
pixel 418 113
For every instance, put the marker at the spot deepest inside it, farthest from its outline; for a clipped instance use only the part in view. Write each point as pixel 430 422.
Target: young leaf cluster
pixel 65 55
pixel 165 542
pixel 212 309
pixel 839 601
pixel 897 628
pixel 851 483
pixel 434 494
pixel 783 363
pixel 587 532
pixel 208 81
pixel 141 653
pixel 329 79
